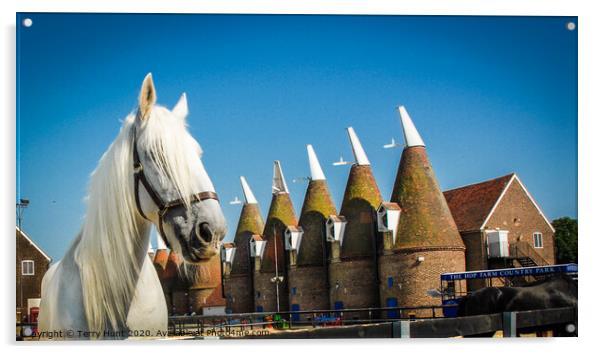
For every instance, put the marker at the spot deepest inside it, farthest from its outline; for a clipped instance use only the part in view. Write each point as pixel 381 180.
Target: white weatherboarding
pixel 106 286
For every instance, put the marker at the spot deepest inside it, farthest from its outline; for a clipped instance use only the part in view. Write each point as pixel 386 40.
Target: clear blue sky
pixel 490 96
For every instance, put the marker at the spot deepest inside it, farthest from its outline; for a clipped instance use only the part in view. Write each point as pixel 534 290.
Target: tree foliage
pixel 566 240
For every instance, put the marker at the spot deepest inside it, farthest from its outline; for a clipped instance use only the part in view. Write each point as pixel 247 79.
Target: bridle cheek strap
pixel 140 178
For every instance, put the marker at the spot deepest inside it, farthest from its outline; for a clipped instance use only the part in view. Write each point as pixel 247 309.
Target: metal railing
pixel 193 324
pixel 522 249
pixel 511 323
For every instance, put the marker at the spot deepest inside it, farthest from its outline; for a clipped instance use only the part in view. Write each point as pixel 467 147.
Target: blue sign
pixel 511 272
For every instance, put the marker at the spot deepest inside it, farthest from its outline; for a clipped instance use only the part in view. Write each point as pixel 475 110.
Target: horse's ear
pixel 148 96
pixel 181 108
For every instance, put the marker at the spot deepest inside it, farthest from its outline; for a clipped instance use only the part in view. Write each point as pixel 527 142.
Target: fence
pixel 511 323
pixel 301 319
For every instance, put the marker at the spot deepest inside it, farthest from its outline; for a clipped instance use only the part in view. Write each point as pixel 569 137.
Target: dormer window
pixel 388 217
pixel 292 238
pixel 256 246
pixel 228 252
pixel 335 228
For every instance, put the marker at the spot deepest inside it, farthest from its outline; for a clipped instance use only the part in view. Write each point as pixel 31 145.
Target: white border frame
pixel 590 190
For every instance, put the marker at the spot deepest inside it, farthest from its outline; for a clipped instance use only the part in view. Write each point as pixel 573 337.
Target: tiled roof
pixel 470 205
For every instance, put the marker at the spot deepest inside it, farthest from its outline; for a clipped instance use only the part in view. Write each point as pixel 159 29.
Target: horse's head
pixel 172 187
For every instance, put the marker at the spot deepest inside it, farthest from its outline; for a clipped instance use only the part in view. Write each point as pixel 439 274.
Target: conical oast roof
pixel 250 223
pixel 360 202
pixel 281 215
pixel 317 207
pixel 425 219
pixel 160 261
pixel 171 277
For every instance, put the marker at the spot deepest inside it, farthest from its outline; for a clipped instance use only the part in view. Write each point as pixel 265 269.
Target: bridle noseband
pixel 139 177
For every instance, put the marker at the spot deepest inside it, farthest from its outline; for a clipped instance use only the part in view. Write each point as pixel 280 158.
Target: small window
pixel 27 267
pixel 537 240
pixel 294 291
pixel 258 295
pixel 390 282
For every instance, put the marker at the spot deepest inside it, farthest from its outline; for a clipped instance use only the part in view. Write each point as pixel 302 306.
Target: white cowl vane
pixel 358 150
pixel 278 184
pixel 249 196
pixel 410 134
pixel 314 165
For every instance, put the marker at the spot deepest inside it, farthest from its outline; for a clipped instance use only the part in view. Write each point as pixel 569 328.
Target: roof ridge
pixel 35 245
pixel 509 176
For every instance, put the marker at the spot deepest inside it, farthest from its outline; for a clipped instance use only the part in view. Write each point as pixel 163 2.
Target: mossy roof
pixel 281 215
pixel 425 219
pixel 317 206
pixel 361 200
pixel 249 223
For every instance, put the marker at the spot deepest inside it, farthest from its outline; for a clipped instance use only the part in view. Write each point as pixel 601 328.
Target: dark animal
pixel 551 292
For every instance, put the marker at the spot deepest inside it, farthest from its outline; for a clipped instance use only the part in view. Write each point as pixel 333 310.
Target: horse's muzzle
pixel 202 245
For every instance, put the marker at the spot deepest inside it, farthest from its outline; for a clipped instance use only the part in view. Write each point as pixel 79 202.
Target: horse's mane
pixel 113 231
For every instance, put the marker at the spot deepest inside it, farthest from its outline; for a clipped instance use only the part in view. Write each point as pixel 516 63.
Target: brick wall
pixel 267 292
pixel 28 286
pixel 517 214
pixel 412 279
pixel 357 283
pixel 308 287
pixel 180 302
pixel 476 256
pixel 239 293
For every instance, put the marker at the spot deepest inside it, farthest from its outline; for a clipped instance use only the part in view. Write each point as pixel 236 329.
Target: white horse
pixel 106 286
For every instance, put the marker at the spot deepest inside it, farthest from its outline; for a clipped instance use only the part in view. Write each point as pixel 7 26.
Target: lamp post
pixel 277 279
pixel 21 205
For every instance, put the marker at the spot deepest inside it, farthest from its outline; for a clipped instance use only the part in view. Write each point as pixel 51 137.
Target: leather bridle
pixel 163 206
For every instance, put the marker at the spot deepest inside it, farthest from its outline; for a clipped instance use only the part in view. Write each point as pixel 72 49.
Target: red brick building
pixel 501 226
pixel 238 264
pixel 425 241
pixel 270 278
pixel 385 254
pixel 306 245
pixel 31 265
pixel 352 269
pixel 196 289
